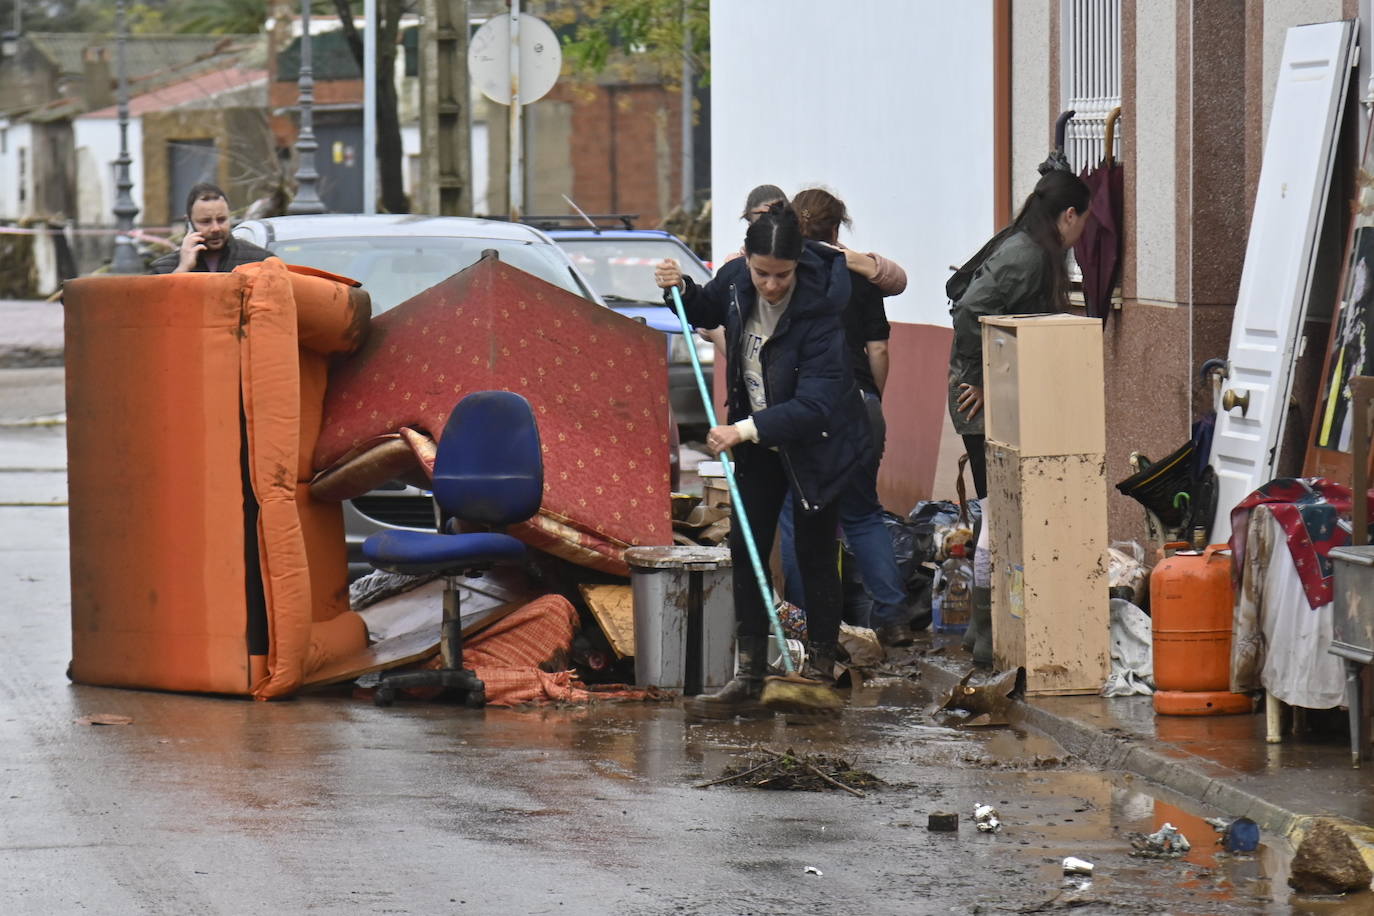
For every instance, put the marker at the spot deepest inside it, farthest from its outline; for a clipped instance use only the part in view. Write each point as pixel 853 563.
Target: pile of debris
pixel 769 769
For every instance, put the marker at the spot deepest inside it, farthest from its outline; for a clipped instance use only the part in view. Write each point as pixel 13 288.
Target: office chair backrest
pixel 490 468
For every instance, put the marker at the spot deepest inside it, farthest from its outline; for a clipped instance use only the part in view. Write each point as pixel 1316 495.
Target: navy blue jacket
pixel 815 414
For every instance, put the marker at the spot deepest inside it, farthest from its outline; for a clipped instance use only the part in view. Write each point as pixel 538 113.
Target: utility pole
pixel 445 110
pixel 126 260
pixel 307 199
pixel 370 107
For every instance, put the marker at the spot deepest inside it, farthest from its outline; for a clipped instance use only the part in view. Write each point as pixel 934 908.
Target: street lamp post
pixel 307 199
pixel 126 260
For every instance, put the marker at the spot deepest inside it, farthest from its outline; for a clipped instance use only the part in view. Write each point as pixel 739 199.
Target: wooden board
pixel 613 607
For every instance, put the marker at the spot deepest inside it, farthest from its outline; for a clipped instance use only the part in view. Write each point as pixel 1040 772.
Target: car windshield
pixel 394 269
pixel 624 268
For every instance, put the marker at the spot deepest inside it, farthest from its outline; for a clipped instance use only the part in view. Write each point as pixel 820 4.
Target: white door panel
pixel 1290 203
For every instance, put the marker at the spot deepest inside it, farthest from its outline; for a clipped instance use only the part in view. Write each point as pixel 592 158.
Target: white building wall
pixel 888 104
pixel 15 205
pixel 97 147
pixel 1031 128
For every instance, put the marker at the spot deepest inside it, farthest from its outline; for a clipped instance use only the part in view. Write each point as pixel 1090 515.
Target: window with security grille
pixel 1090 55
pixel 1090 82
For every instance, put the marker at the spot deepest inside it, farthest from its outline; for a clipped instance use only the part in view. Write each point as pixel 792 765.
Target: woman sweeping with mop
pixel 796 422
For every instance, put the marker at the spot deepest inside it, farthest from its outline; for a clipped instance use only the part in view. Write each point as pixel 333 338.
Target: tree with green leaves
pixel 604 36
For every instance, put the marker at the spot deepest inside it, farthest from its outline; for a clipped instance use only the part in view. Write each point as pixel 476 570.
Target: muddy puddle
pixel 877 851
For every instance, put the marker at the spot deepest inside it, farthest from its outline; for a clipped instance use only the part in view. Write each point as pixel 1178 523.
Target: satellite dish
pixel 541 59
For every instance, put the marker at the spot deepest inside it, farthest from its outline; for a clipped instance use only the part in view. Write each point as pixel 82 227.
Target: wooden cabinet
pixel 1047 500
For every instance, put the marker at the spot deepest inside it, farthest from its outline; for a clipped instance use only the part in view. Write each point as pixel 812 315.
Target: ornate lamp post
pixel 307 199
pixel 126 260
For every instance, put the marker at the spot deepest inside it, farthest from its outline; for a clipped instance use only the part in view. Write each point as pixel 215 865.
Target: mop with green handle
pixel 789 692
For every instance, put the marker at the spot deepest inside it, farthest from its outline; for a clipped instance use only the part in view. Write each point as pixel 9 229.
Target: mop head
pixel 796 694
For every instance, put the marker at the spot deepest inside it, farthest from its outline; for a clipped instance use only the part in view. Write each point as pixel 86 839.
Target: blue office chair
pixel 489 470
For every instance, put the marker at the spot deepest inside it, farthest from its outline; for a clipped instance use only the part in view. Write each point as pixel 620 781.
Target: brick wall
pixel 241 136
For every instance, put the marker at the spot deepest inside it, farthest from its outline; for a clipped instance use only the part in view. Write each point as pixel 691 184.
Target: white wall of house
pixel 16 170
pixel 1030 94
pixel 97 147
pixel 889 105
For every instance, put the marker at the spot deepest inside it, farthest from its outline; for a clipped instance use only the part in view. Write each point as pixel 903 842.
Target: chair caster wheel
pixel 383 696
pixel 475 699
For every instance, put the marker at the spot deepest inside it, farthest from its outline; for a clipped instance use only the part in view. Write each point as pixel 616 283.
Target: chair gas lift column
pixel 1352 606
pixel 489 470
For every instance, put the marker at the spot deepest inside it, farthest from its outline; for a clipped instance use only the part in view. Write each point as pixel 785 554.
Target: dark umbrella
pixel 1098 249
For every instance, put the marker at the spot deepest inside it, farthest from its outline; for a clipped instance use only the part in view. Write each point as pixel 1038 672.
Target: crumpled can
pixel 985 817
pixel 1076 866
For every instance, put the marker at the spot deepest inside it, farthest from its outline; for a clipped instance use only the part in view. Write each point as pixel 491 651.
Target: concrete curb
pixel 25 357
pixel 1184 776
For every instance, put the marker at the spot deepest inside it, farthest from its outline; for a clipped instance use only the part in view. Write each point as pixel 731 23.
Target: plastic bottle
pixel 955 606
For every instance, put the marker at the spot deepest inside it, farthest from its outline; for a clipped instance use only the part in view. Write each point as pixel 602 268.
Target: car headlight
pixel 677 349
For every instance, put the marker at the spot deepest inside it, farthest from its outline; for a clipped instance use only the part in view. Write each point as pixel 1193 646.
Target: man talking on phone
pixel 208 246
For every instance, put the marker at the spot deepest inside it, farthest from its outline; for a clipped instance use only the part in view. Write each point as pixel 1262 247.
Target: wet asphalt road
pixel 211 805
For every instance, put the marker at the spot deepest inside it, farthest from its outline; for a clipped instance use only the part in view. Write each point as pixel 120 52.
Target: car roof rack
pixel 599 221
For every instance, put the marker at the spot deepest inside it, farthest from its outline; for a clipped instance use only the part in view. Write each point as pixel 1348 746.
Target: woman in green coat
pixel 1025 275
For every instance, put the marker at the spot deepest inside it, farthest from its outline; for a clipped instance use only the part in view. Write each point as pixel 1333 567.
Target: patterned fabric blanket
pixel 597 382
pixel 513 655
pixel 1310 511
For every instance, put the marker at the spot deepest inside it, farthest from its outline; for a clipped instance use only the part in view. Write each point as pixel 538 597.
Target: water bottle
pixel 955 607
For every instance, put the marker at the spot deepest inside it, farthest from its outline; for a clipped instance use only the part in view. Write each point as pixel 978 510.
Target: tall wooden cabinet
pixel 1047 499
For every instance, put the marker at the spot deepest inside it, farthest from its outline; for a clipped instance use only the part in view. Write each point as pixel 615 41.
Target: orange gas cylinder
pixel 1190 609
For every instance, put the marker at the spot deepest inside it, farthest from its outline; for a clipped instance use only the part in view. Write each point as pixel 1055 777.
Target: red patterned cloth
pixel 1310 511
pixel 510 656
pixel 597 382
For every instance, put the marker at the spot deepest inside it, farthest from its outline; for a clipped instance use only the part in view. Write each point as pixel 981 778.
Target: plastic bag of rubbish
pixel 1132 652
pixel 1126 570
pixel 1165 843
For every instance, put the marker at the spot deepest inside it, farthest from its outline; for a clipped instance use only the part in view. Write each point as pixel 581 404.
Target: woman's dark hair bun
pixel 776 233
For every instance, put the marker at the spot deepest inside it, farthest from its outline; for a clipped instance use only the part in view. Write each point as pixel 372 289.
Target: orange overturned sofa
pixel 199 560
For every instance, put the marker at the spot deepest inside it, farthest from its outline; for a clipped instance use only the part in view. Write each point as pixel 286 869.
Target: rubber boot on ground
pixel 982 619
pixel 739 697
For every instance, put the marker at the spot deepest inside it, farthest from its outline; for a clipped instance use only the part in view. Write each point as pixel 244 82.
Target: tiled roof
pixel 143 54
pixel 204 86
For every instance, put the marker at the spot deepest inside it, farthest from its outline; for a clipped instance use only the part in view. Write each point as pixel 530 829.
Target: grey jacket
pixel 1012 281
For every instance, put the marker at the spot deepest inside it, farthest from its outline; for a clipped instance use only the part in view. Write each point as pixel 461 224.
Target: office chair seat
pixel 418 552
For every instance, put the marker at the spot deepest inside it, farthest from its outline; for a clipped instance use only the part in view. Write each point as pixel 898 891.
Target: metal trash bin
pixel 1352 628
pixel 684 617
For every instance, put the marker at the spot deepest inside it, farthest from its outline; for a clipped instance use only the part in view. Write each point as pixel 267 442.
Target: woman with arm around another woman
pixel 795 424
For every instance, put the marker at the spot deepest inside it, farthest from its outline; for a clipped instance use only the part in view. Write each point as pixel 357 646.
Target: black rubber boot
pixel 893 635
pixel 971 631
pixel 982 619
pixel 739 697
pixel 820 662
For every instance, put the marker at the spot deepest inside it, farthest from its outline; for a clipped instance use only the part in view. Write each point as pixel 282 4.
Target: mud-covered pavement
pixel 208 805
